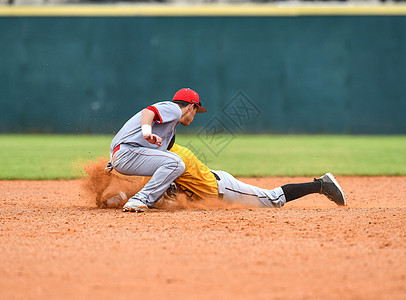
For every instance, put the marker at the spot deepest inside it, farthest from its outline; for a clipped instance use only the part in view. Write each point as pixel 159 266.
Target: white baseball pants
pixel 234 190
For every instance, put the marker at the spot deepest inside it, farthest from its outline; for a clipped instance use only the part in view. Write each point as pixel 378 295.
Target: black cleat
pixel 331 189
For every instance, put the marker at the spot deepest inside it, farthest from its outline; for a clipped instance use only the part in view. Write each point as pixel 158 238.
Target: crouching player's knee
pixel 177 166
pixel 181 168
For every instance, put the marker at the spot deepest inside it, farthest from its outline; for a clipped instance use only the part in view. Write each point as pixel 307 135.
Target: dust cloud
pixel 112 190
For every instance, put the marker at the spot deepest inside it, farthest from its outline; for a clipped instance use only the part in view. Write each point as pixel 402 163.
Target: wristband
pixel 146 129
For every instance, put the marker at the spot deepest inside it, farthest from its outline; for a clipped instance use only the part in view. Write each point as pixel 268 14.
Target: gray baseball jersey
pixel 167 115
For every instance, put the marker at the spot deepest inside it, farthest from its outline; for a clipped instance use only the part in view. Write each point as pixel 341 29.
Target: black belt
pixel 216 176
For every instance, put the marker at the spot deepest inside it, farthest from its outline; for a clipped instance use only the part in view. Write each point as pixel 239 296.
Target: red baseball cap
pixel 189 95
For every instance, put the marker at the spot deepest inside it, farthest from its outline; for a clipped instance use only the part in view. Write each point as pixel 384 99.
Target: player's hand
pixel 153 139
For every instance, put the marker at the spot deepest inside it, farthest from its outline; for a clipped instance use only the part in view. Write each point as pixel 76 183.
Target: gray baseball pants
pixel 234 190
pixel 163 166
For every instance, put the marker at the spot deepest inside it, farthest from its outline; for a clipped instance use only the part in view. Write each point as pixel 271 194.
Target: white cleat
pixel 135 206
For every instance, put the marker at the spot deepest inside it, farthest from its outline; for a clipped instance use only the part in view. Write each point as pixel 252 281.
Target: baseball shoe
pixel 135 205
pixel 116 201
pixel 171 192
pixel 331 189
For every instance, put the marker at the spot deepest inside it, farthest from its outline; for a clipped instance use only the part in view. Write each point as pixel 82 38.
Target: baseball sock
pixel 297 190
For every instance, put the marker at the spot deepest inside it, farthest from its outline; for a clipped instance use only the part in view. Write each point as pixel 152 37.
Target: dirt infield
pixel 56 244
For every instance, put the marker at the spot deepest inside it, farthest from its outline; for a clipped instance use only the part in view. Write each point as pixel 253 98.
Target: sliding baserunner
pixel 198 181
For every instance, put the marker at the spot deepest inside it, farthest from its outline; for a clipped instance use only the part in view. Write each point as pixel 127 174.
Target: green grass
pixel 309 155
pixel 63 156
pixel 49 156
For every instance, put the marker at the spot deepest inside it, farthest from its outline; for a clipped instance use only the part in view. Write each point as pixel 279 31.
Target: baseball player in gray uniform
pixel 140 147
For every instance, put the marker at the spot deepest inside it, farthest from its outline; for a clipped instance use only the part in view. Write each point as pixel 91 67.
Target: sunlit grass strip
pixel 63 156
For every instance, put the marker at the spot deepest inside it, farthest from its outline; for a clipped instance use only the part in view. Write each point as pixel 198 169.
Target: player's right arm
pixel 147 118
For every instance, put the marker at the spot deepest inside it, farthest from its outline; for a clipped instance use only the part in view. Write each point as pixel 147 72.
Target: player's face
pixel 188 117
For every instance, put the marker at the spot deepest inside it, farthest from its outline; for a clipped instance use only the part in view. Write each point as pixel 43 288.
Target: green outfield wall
pixel 279 71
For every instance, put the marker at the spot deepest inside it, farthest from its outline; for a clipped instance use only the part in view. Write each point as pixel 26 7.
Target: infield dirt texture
pixel 56 244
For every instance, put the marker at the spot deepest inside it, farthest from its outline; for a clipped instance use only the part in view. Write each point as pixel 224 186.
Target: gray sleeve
pixel 167 112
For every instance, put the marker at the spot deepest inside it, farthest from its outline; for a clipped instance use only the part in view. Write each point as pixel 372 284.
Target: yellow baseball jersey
pixel 197 178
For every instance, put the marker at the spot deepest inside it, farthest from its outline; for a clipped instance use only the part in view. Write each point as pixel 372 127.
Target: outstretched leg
pixel 326 185
pixel 234 190
pixel 237 191
pixel 295 191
